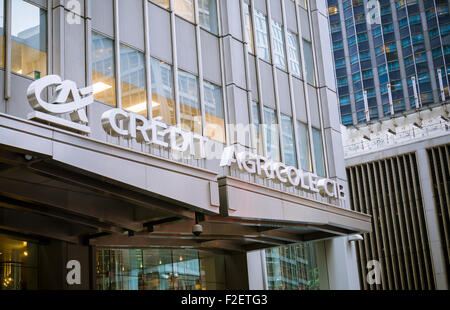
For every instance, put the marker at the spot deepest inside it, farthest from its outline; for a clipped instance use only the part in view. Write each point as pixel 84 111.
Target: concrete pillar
pixel 342 265
pixel 257 272
pixel 431 219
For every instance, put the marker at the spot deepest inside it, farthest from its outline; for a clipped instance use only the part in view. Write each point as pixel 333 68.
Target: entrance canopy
pixel 55 184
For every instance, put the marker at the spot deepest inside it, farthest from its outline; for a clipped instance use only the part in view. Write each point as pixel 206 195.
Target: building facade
pixel 398 172
pixel 166 144
pixel 390 56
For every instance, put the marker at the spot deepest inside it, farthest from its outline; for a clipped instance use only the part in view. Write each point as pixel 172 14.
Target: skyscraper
pixel 390 56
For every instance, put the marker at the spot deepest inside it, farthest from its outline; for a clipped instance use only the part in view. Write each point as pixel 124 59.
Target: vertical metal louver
pixel 439 158
pixel 389 190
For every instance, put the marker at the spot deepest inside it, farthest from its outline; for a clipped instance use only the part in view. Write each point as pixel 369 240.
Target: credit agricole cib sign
pixel 67 99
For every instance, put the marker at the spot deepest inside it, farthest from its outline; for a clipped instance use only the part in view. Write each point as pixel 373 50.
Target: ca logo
pixel 67 99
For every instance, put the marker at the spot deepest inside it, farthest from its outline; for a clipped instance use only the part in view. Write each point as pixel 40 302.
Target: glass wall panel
pixel 309 61
pixel 29 39
pixel 278 45
pixel 163 103
pixel 159 269
pixel 133 81
pixel 18 264
pixel 293 267
pixel 214 115
pixel 103 69
pixel 262 36
pixel 294 54
pixel 290 154
pixel 303 146
pixel 191 118
pixel 318 152
pixel 207 13
pixel 249 28
pixel 272 134
pixel 185 8
pixel 257 127
pixel 163 3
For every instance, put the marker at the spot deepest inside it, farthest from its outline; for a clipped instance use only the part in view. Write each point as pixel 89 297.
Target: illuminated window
pixel 272 134
pixel 103 69
pixel 303 146
pixel 332 10
pixel 163 3
pixel 214 115
pixel 133 81
pixel 29 39
pixel 190 112
pixel 289 151
pixel 163 103
pixel 262 36
pixel 249 28
pixel 185 8
pixel 278 45
pixel 207 13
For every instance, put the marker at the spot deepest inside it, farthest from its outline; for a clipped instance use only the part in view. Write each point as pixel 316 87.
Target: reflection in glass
pixel 303 146
pixel 309 61
pixel 278 45
pixel 214 115
pixel 318 152
pixel 272 136
pixel 290 154
pixel 293 267
pixel 207 12
pixel 158 269
pixel 185 8
pixel 262 36
pixel 257 127
pixel 29 39
pixel 190 112
pixel 162 91
pixel 103 70
pixel 163 3
pixel 249 28
pixel 18 264
pixel 294 54
pixel 2 34
pixel 133 82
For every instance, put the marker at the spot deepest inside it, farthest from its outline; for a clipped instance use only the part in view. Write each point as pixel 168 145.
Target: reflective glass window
pixel 185 8
pixel 262 36
pixel 278 45
pixel 163 103
pixel 29 39
pixel 303 146
pixel 272 134
pixel 318 152
pixel 190 112
pixel 103 69
pixel 289 151
pixel 294 53
pixel 214 115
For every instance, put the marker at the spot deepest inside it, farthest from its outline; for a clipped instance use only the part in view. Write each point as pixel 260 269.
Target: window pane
pixel 290 154
pixel 163 103
pixel 294 54
pixel 29 39
pixel 309 61
pixel 2 34
pixel 103 70
pixel 318 152
pixel 215 121
pixel 249 28
pixel 256 124
pixel 262 37
pixel 163 3
pixel 185 8
pixel 207 12
pixel 303 146
pixel 272 136
pixel 278 45
pixel 189 104
pixel 133 82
